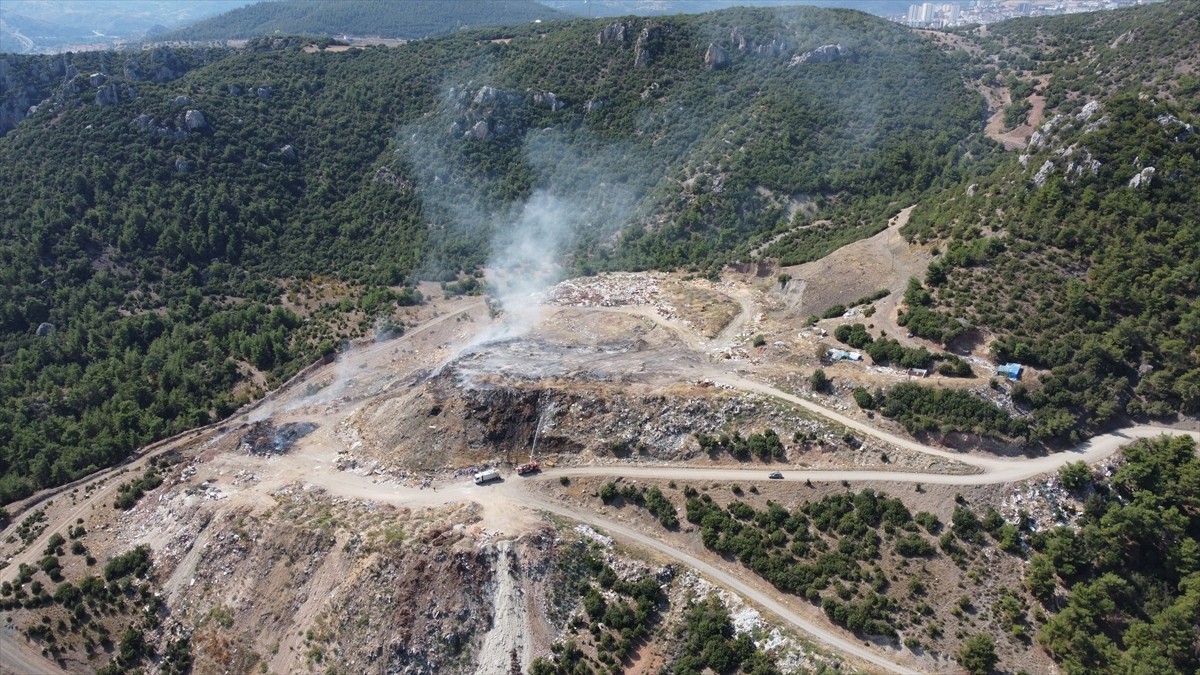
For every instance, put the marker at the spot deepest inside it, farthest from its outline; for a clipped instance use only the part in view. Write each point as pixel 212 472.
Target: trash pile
pixel 265 439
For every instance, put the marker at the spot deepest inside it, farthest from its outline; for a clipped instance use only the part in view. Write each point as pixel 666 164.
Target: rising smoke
pixel 582 191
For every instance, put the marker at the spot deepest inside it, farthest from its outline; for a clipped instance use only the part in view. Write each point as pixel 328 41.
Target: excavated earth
pixel 334 526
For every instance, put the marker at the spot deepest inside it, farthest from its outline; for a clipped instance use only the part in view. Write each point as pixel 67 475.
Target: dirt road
pixel 753 592
pixel 371 372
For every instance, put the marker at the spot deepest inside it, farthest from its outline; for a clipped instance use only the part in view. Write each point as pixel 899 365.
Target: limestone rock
pixel 288 152
pixel 715 58
pixel 646 46
pixel 614 32
pixel 108 95
pixel 546 98
pixel 1043 173
pixel 183 166
pixel 44 329
pixel 1142 178
pixel 97 79
pixel 481 131
pixel 1171 121
pixel 822 54
pixel 485 95
pixel 180 101
pixel 738 38
pixel 263 92
pixel 194 119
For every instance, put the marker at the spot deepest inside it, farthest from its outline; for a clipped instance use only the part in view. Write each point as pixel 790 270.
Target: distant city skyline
pixel 949 14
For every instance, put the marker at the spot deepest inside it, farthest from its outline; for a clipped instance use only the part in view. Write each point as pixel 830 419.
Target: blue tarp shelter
pixel 1010 370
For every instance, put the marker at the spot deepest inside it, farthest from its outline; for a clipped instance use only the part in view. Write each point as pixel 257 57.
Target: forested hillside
pixel 160 237
pixel 1081 255
pixel 411 19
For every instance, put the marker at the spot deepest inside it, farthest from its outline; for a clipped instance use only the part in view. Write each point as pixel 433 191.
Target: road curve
pixel 722 578
pixel 19 657
pixel 1008 471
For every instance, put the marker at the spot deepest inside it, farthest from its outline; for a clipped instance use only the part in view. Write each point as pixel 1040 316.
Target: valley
pixel 365 449
pixel 766 340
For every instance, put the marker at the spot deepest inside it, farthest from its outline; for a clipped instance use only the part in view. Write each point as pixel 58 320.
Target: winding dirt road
pixel 509 502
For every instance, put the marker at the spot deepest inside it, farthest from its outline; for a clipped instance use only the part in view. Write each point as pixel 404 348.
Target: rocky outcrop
pixel 647 46
pixel 613 32
pixel 160 64
pixel 593 105
pixel 822 54
pixel 745 44
pixel 44 329
pixel 388 177
pixel 288 152
pixel 485 95
pixel 180 101
pixel 715 58
pixel 263 92
pixel 480 131
pixel 545 99
pixel 149 124
pixel 97 79
pixel 108 95
pixel 194 120
pixel 1142 178
pixel 183 166
pixel 1082 163
pixel 1039 178
pixel 1172 123
pixel 235 90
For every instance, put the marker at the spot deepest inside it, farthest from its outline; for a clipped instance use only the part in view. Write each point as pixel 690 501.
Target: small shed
pixel 1010 370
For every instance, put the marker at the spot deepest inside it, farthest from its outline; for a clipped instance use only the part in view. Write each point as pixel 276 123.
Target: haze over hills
pixel 401 20
pixel 48 26
pixel 599 8
pixel 663 256
pixel 404 164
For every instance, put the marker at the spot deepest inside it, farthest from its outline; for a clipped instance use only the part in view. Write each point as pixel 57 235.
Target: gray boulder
pixel 183 166
pixel 263 93
pixel 194 119
pixel 180 101
pixel 97 79
pixel 288 152
pixel 44 329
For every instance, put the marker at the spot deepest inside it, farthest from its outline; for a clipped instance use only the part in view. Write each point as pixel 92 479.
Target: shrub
pixel 978 654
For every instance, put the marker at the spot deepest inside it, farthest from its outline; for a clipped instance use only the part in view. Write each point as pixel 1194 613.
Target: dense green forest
pixel 1081 255
pixel 411 19
pixel 1116 590
pixel 1124 586
pixel 157 235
